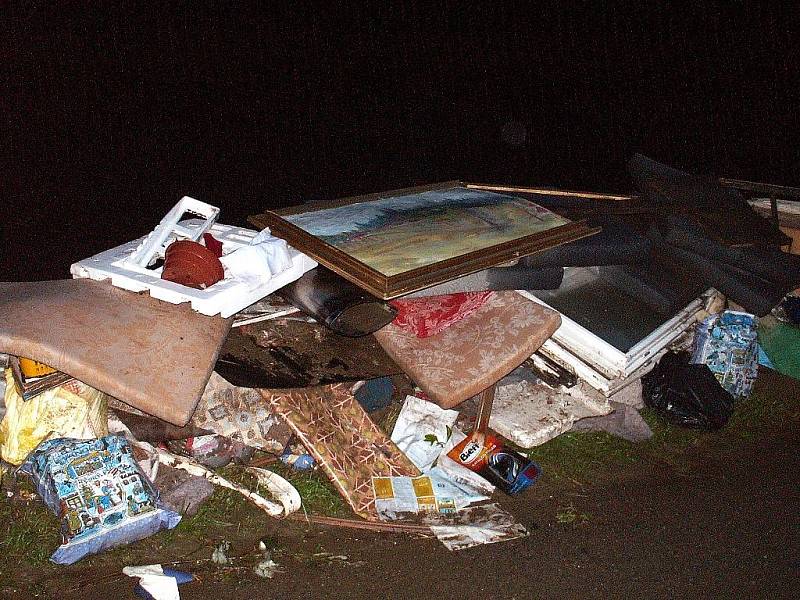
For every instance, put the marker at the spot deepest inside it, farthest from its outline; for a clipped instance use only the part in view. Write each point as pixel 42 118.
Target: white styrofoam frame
pixel 225 298
pixel 153 246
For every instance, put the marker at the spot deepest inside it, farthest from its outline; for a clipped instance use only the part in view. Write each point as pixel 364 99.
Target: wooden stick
pixel 771 189
pixel 484 412
pixel 421 530
pixel 547 192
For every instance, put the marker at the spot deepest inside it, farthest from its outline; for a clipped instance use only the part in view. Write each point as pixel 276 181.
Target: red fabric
pixel 425 317
pixel 213 244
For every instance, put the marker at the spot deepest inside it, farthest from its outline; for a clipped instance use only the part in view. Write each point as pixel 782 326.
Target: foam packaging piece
pixel 224 298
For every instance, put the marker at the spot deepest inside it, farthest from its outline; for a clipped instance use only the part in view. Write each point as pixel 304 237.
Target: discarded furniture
pixel 153 355
pixel 473 354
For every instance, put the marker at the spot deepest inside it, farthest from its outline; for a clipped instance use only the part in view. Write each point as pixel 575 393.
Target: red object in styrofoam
pixel 191 264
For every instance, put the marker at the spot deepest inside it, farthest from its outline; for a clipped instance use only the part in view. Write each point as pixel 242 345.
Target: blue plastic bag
pixel 99 492
pixel 728 344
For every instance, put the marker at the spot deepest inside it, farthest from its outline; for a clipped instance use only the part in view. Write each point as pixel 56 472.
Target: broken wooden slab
pixel 153 355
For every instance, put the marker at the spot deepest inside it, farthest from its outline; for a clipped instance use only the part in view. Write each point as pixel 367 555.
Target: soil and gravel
pixel 714 515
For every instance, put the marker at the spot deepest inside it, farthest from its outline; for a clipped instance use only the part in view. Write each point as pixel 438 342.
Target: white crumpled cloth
pixel 253 265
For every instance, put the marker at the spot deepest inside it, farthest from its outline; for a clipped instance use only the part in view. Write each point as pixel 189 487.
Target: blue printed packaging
pixel 728 344
pixel 99 492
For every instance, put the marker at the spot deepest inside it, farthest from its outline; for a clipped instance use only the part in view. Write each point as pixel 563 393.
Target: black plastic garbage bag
pixel 685 394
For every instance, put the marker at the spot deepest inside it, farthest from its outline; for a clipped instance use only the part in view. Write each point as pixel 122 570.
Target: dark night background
pixel 116 113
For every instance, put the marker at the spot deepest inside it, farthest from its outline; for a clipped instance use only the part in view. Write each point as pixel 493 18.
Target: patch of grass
pixel 30 533
pixel 568 515
pixel 216 512
pixel 762 411
pixel 578 455
pixel 226 507
pixel 584 455
pixel 318 494
pixel 29 539
pixel 666 434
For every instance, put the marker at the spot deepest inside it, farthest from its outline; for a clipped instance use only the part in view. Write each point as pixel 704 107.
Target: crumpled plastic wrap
pixel 425 433
pixel 74 410
pixel 686 394
pixel 485 524
pixel 728 344
pixel 265 257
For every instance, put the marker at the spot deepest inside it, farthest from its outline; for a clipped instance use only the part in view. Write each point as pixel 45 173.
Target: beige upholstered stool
pixel 471 355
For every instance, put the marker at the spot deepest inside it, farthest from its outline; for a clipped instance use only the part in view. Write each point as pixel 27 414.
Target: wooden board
pixel 341 437
pixel 150 354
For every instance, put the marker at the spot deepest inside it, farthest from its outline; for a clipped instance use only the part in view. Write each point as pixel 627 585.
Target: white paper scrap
pixel 422 429
pixel 153 580
pixel 486 524
pixel 395 496
pixel 425 433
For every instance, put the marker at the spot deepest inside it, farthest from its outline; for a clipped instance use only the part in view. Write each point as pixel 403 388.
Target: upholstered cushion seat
pixel 474 353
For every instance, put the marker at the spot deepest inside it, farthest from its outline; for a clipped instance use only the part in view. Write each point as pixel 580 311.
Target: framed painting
pixel 398 242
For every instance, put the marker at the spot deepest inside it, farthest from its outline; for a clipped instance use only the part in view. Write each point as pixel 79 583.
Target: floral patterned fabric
pixel 474 353
pixel 240 414
pixel 425 317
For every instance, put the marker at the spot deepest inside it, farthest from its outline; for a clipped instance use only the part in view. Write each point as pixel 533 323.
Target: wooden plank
pixel 768 189
pixel 547 192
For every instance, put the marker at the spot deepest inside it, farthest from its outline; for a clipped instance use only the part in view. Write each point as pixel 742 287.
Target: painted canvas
pixel 395 243
pixel 397 234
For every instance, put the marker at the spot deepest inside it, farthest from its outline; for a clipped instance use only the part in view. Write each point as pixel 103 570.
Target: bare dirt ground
pixel 718 517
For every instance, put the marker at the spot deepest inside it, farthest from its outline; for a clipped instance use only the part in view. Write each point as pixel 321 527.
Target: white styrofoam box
pixel 224 298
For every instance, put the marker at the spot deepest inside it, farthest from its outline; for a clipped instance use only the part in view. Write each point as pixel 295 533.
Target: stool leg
pixel 484 412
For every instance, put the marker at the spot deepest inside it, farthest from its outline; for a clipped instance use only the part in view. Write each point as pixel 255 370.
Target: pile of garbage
pixel 129 386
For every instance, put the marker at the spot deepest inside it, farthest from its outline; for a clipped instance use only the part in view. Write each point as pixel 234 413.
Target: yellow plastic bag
pixel 73 410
